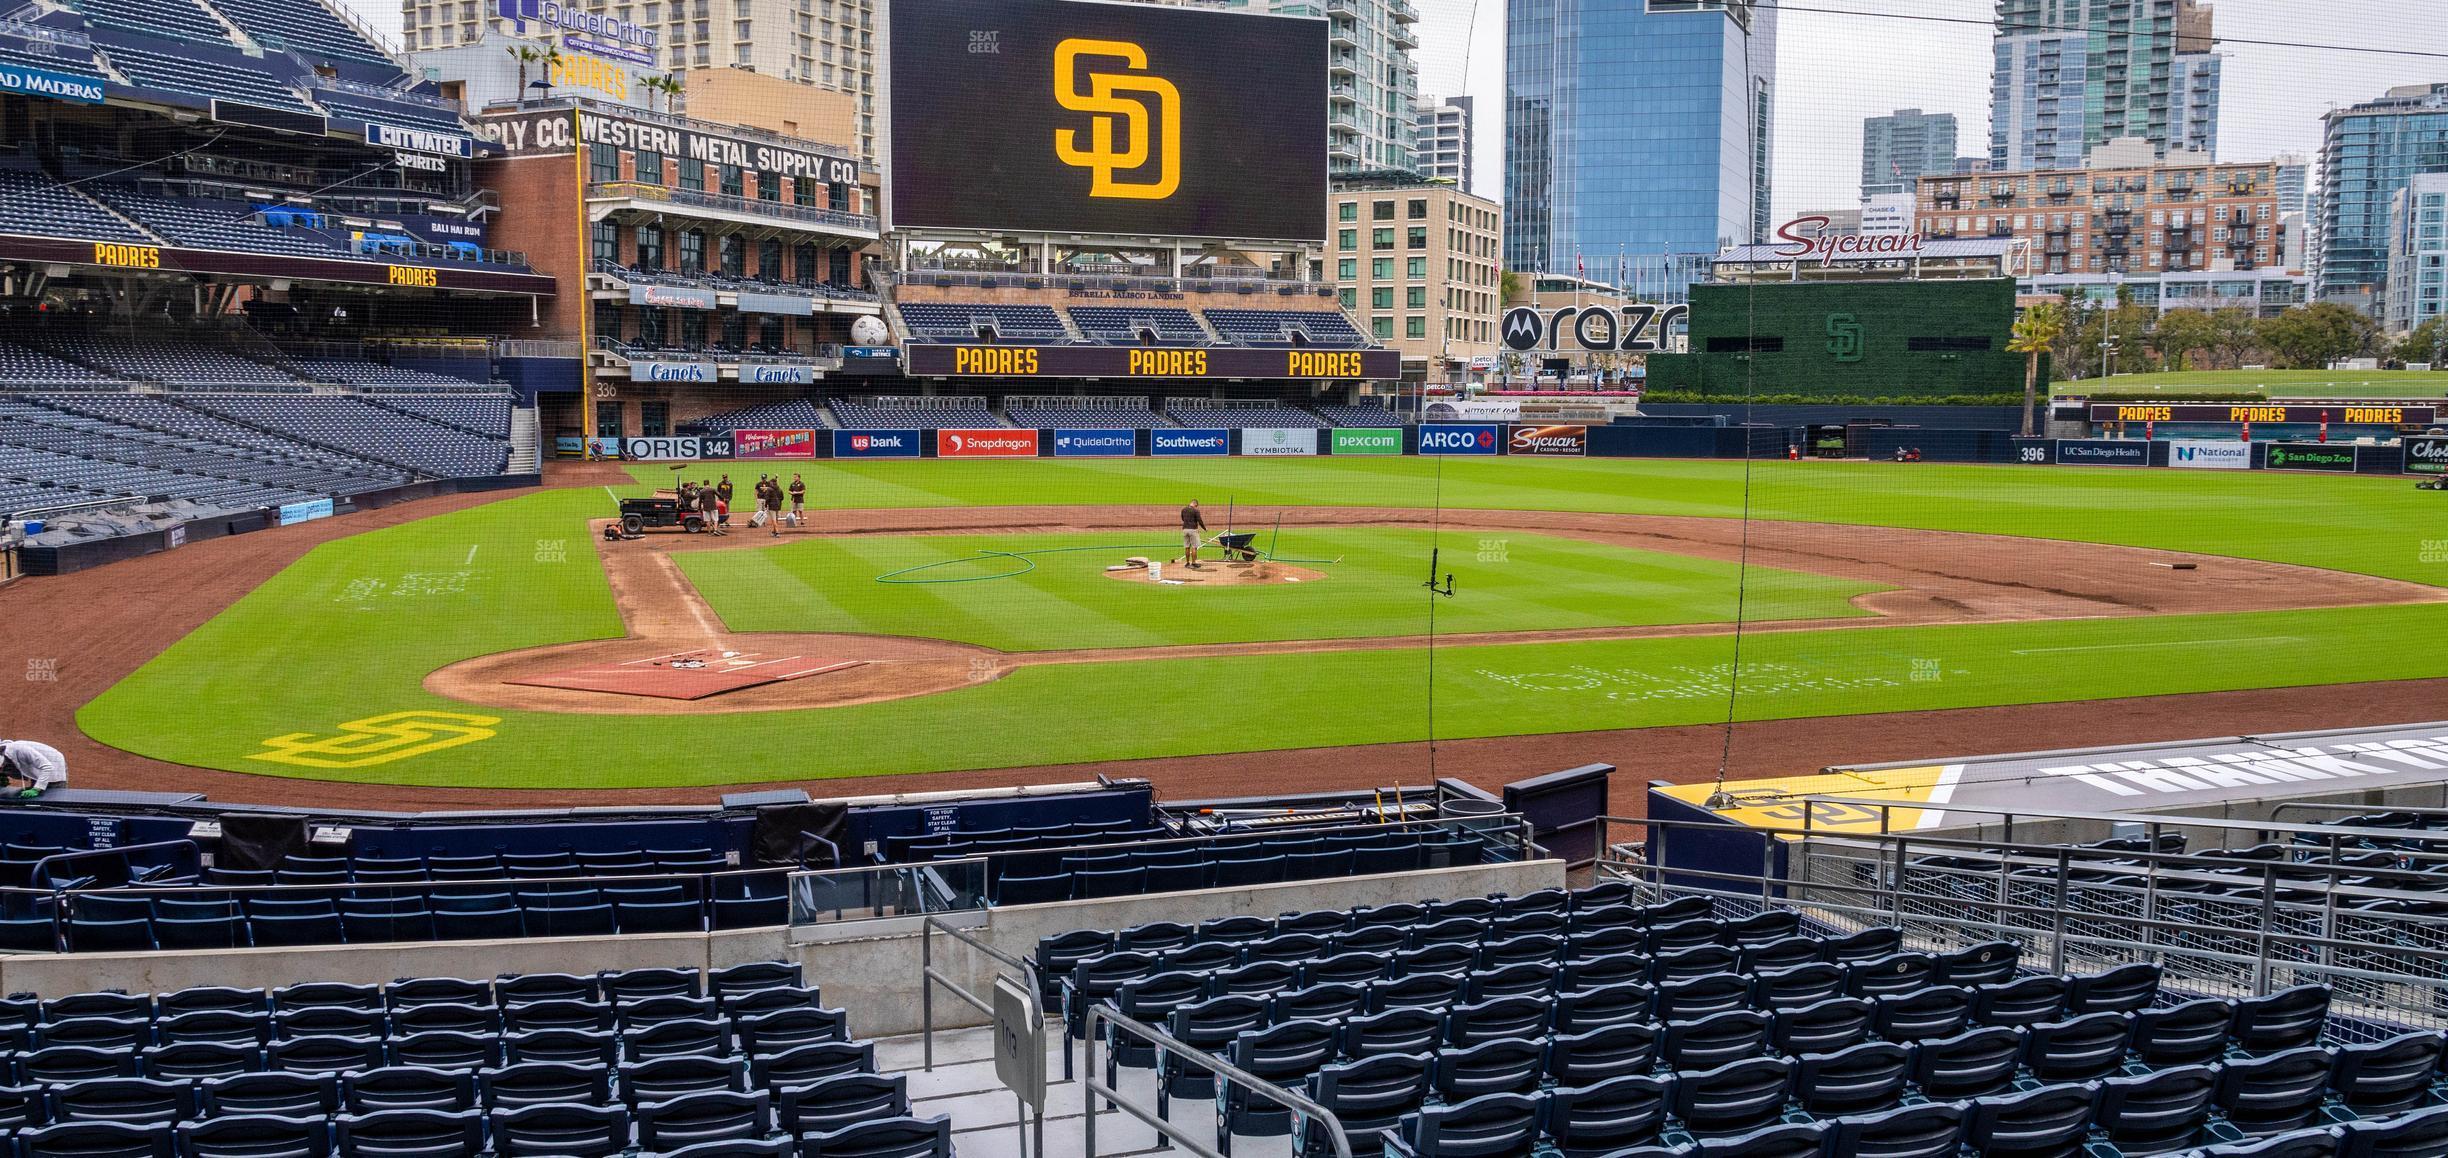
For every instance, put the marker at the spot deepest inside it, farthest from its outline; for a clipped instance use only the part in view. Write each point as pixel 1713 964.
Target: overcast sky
pixel 1837 65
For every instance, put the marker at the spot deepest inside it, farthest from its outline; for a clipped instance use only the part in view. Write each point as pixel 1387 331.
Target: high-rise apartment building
pixel 1442 136
pixel 1903 146
pixel 2070 74
pixel 1372 84
pixel 2368 152
pixel 1594 169
pixel 1416 265
pixel 2418 253
pixel 2185 232
pixel 831 44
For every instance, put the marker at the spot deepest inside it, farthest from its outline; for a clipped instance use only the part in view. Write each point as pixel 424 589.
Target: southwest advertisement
pixel 1170 443
pixel 2186 455
pixel 985 444
pixel 1153 121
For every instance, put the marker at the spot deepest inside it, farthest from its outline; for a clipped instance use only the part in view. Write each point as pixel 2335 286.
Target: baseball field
pixel 961 615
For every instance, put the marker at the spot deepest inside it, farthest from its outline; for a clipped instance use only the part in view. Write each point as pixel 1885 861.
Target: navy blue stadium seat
pixel 694 1119
pixel 810 1063
pixel 538 1083
pixel 1735 1097
pixel 1787 1140
pixel 123 1100
pixel 2288 1019
pixel 841 1100
pixel 1937 1011
pixel 888 1138
pixel 2024 1001
pixel 2157 1111
pixel 2079 1048
pixel 197 1061
pixel 408 1087
pixel 89 1139
pixel 2311 1142
pixel 255 1136
pixel 2384 1077
pixel 1970 1064
pixel 1924 1130
pixel 561 1129
pixel 2277 1092
pixel 1853 1080
pixel 408 1134
pixel 278 1095
pixel 1488 1126
pixel 2124 989
pixel 2406 1135
pixel 2050 1121
pixel 2185 1033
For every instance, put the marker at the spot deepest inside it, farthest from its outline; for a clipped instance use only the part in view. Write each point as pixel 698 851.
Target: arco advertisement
pixel 985 444
pixel 1452 438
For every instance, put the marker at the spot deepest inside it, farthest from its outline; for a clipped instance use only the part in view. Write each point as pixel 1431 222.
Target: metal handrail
pixel 1108 1015
pixel 932 977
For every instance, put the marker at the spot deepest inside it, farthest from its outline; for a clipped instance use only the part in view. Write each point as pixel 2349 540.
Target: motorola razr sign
pixel 1597 329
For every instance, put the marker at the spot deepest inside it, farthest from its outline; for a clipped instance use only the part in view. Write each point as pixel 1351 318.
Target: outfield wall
pixel 779 449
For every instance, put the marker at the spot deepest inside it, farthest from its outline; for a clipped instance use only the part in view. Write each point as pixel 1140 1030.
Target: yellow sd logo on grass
pixel 1145 124
pixel 379 739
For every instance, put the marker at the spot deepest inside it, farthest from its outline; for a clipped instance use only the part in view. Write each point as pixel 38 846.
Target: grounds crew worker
pixel 798 497
pixel 1192 523
pixel 40 765
pixel 722 490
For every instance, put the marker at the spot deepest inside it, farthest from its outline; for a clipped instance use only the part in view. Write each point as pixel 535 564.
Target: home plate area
pixel 689 675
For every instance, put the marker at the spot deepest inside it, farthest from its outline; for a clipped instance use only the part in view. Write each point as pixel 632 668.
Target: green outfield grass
pixel 2279 383
pixel 1518 583
pixel 349 631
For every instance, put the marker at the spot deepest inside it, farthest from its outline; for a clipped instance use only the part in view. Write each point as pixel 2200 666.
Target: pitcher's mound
pixel 1221 575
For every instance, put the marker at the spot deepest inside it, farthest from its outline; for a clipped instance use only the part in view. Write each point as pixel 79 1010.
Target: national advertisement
pixel 1194 441
pixel 1279 440
pixel 673 372
pixel 2330 458
pixel 777 374
pixel 1115 443
pixel 1450 438
pixel 997 443
pixel 1549 440
pixel 877 443
pixel 759 444
pixel 1365 440
pixel 2189 455
pixel 676 448
pixel 2102 452
pixel 2426 454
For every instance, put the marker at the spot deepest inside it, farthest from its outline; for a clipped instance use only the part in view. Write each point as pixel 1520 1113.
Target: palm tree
pixel 2033 333
pixel 527 54
pixel 668 85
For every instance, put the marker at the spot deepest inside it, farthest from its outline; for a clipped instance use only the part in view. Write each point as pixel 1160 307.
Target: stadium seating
pixel 978 322
pixel 359 372
pixel 180 18
pixel 215 224
pixel 364 428
pixel 1119 413
pixel 321 1068
pixel 69 55
pixel 1240 417
pixel 1402 1021
pixel 935 414
pixel 68 449
pixel 144 418
pixel 206 76
pixel 1286 328
pixel 171 363
pixel 25 368
pixel 1364 415
pixel 37 204
pixel 1139 325
pixel 791 414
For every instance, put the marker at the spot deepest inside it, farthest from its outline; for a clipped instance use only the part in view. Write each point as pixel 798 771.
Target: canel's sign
pixel 1633 328
pixel 1808 238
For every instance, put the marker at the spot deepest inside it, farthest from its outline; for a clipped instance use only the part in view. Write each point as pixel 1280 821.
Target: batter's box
pixel 689 675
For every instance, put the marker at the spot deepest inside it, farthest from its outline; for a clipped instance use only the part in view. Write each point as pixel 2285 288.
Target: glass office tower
pixel 1635 129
